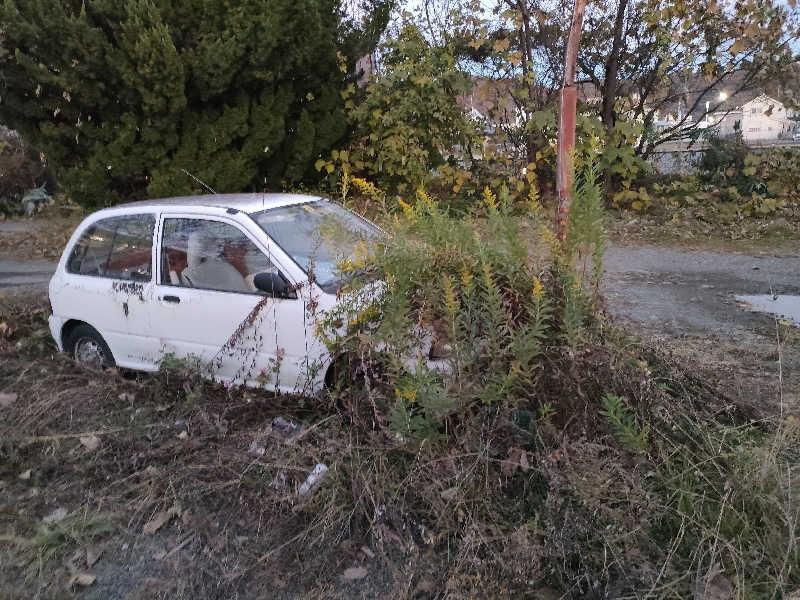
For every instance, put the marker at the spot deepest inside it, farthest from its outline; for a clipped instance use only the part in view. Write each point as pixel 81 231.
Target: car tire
pixel 85 344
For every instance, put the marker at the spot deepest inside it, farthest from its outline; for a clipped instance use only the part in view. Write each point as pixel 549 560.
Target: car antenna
pixel 198 180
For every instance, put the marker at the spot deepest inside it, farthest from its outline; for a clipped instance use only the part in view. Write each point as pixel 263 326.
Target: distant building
pixel 762 118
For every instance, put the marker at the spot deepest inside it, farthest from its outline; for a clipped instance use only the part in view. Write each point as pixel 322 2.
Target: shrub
pixel 21 169
pixel 478 292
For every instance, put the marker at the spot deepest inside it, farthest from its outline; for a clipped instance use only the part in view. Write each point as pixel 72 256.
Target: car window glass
pixel 118 247
pixel 210 255
pixel 132 248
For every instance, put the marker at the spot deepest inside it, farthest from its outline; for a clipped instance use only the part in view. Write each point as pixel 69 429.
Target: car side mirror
pixel 272 284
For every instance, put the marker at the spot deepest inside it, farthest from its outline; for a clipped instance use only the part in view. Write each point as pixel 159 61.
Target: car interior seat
pixel 207 269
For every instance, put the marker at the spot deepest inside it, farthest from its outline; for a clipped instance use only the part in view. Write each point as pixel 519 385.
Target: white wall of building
pixel 765 118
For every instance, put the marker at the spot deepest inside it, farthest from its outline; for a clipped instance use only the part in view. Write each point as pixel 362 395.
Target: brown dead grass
pixel 47 235
pixel 500 510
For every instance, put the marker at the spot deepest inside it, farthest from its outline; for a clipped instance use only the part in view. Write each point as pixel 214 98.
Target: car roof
pixel 248 203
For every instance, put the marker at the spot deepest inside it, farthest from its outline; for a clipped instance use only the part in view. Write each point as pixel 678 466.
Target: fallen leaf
pixel 355 573
pixel 5 330
pixel 160 519
pixel 70 563
pixel 57 515
pixel 7 399
pixel 93 555
pixel 183 435
pixel 256 450
pixel 25 475
pixel 157 522
pixel 449 493
pixel 523 462
pixel 90 442
pixel 82 579
pixel 517 458
pixel 126 397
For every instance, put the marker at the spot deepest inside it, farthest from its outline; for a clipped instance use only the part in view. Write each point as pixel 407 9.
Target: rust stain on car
pixel 131 288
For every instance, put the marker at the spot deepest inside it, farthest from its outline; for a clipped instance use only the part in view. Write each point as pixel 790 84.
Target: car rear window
pixel 117 247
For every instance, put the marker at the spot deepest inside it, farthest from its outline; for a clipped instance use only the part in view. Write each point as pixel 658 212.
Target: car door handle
pixel 172 299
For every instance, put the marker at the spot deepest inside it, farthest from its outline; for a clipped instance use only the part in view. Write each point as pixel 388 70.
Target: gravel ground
pixel 678 291
pixel 687 301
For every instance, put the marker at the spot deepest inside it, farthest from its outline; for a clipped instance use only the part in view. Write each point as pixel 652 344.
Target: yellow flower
pixel 489 199
pixel 466 278
pixel 538 290
pixel 407 393
pixel 409 211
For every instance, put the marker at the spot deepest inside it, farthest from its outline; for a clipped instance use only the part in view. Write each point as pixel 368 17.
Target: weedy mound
pixel 543 453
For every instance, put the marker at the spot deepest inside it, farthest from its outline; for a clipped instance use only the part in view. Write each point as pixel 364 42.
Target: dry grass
pixel 510 505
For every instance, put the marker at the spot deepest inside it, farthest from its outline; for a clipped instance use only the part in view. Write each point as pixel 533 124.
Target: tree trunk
pixel 610 81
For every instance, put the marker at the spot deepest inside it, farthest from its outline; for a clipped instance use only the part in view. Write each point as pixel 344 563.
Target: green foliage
pixel 122 96
pixel 736 188
pixel 611 150
pixel 469 292
pixel 407 121
pixel 56 540
pixel 622 419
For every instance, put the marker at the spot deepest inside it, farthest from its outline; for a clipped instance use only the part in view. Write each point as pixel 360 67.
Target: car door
pixel 204 304
pixel 104 279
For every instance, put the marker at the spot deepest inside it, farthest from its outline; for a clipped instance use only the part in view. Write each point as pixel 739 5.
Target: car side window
pixel 117 247
pixel 210 255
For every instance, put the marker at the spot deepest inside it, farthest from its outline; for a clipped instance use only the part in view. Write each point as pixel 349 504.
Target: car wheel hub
pixel 89 352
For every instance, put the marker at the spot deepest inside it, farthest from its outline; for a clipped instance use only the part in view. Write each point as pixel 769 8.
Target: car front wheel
pixel 89 348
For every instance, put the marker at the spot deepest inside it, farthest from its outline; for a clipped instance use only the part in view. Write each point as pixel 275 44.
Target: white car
pixel 225 278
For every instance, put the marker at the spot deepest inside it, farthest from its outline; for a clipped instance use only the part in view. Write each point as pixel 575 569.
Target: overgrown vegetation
pixel 547 456
pixel 21 169
pixel 737 194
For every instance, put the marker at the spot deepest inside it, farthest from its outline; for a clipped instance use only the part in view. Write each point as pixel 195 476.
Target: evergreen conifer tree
pixel 121 96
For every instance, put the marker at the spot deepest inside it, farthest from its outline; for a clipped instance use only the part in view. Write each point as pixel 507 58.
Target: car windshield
pixel 320 236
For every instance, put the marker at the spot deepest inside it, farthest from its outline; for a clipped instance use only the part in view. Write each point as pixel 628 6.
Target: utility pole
pixel 566 130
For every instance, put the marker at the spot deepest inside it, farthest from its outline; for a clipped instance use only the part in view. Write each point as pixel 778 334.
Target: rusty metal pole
pixel 566 129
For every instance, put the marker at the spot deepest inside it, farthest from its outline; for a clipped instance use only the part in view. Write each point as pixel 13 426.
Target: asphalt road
pixel 17 275
pixel 680 291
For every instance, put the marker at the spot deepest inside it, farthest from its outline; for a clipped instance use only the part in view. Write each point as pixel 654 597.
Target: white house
pixel 762 118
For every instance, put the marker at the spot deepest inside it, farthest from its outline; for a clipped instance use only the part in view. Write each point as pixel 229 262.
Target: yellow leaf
pixel 329 168
pixel 309 96
pixel 501 45
pixel 738 46
pixel 475 44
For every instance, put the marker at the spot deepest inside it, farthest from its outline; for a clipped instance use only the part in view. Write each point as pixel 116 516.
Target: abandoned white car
pixel 224 278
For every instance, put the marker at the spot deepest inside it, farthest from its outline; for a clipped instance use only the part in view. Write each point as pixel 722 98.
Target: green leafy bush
pixel 476 293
